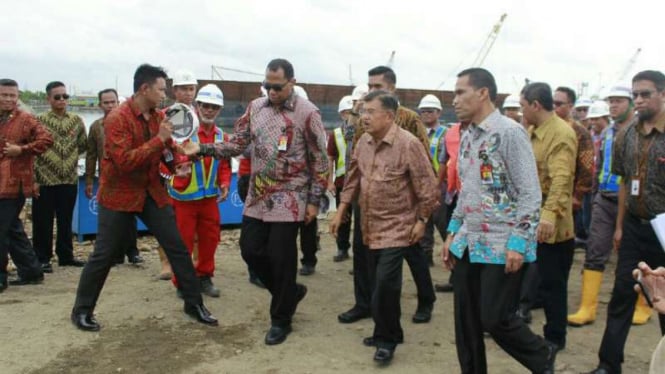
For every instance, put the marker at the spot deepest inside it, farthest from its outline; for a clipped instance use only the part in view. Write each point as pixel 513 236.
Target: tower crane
pixel 391 60
pixel 629 65
pixel 489 42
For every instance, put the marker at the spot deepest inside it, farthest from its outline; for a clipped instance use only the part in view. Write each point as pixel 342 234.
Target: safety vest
pixel 200 187
pixel 606 180
pixel 340 168
pixel 434 141
pixel 452 147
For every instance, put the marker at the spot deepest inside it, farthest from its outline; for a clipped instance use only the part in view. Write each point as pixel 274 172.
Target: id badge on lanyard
pixel 283 141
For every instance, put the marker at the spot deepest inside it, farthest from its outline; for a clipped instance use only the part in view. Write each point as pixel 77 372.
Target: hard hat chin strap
pixel 625 114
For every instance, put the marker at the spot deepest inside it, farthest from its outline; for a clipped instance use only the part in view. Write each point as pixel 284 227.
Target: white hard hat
pixel 300 92
pixel 430 101
pixel 183 78
pixel 359 91
pixel 210 94
pixel 583 102
pixel 511 101
pixel 121 99
pixel 620 91
pixel 345 104
pixel 599 108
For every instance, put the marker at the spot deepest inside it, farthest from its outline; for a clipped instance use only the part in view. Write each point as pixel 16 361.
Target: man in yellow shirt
pixel 555 148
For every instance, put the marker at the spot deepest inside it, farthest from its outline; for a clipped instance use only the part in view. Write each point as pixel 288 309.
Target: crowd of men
pixel 511 194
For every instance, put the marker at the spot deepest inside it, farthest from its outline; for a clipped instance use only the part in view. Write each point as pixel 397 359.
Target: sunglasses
pixel 429 111
pixel 582 109
pixel 207 106
pixel 560 103
pixel 276 87
pixel 646 94
pixel 61 97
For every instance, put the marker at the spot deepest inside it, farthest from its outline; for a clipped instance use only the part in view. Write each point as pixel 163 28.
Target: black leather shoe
pixel 307 270
pixel 353 315
pixel 207 288
pixel 85 322
pixel 179 294
pixel 301 291
pixel 136 259
pixel 201 314
pixel 423 314
pixel 277 335
pixel 25 281
pixel 383 356
pixel 443 287
pixel 47 268
pixel 551 357
pixel 524 315
pixel 73 262
pixel 341 256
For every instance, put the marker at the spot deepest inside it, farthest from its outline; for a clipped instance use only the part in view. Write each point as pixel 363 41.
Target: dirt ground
pixel 144 329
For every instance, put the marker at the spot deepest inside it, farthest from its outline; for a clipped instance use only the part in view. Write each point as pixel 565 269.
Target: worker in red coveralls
pixel 198 186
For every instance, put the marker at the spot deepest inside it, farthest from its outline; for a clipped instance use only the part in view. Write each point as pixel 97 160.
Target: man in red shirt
pixel 21 138
pixel 195 200
pixel 136 135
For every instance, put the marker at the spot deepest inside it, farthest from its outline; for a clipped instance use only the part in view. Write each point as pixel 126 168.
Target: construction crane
pixel 629 65
pixel 489 42
pixel 484 50
pixel 391 60
pixel 214 70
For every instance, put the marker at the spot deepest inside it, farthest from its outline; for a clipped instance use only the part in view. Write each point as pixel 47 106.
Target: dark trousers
pixel 362 284
pixel 309 242
pixel 53 201
pixel 129 246
pixel 554 262
pixel 112 229
pixel 386 272
pixel 530 296
pixel 582 218
pixel 484 301
pixel 344 230
pixel 439 221
pixel 639 243
pixel 14 241
pixel 270 251
pixel 601 233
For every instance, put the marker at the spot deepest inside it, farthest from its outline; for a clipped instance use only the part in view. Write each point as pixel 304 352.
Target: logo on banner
pixel 92 205
pixel 235 199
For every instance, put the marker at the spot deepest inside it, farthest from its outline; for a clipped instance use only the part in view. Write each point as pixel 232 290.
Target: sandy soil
pixel 145 331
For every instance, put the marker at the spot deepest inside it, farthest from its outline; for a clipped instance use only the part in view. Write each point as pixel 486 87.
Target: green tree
pixel 32 96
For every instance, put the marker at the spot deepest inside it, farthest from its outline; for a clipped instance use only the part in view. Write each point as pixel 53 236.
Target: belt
pixel 613 199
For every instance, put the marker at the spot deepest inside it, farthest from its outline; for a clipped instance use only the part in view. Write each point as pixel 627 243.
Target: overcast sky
pixel 90 44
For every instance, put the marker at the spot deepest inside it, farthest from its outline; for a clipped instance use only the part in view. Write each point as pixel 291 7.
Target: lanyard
pixel 642 158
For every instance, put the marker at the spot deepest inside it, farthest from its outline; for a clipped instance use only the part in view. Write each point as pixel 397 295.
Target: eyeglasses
pixel 207 106
pixel 559 103
pixel 646 94
pixel 427 111
pixel 581 109
pixel 59 97
pixel 274 86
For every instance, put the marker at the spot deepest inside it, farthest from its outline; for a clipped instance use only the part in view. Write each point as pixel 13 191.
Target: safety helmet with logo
pixel 511 102
pixel 430 101
pixel 184 78
pixel 583 102
pixel 345 104
pixel 599 108
pixel 300 92
pixel 359 91
pixel 210 94
pixel 620 91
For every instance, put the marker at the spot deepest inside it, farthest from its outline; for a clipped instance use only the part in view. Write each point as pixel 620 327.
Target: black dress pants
pixel 639 243
pixel 14 241
pixel 112 232
pixel 362 284
pixel 484 301
pixel 270 251
pixel 386 271
pixel 344 230
pixel 53 201
pixel 309 242
pixel 129 246
pixel 554 262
